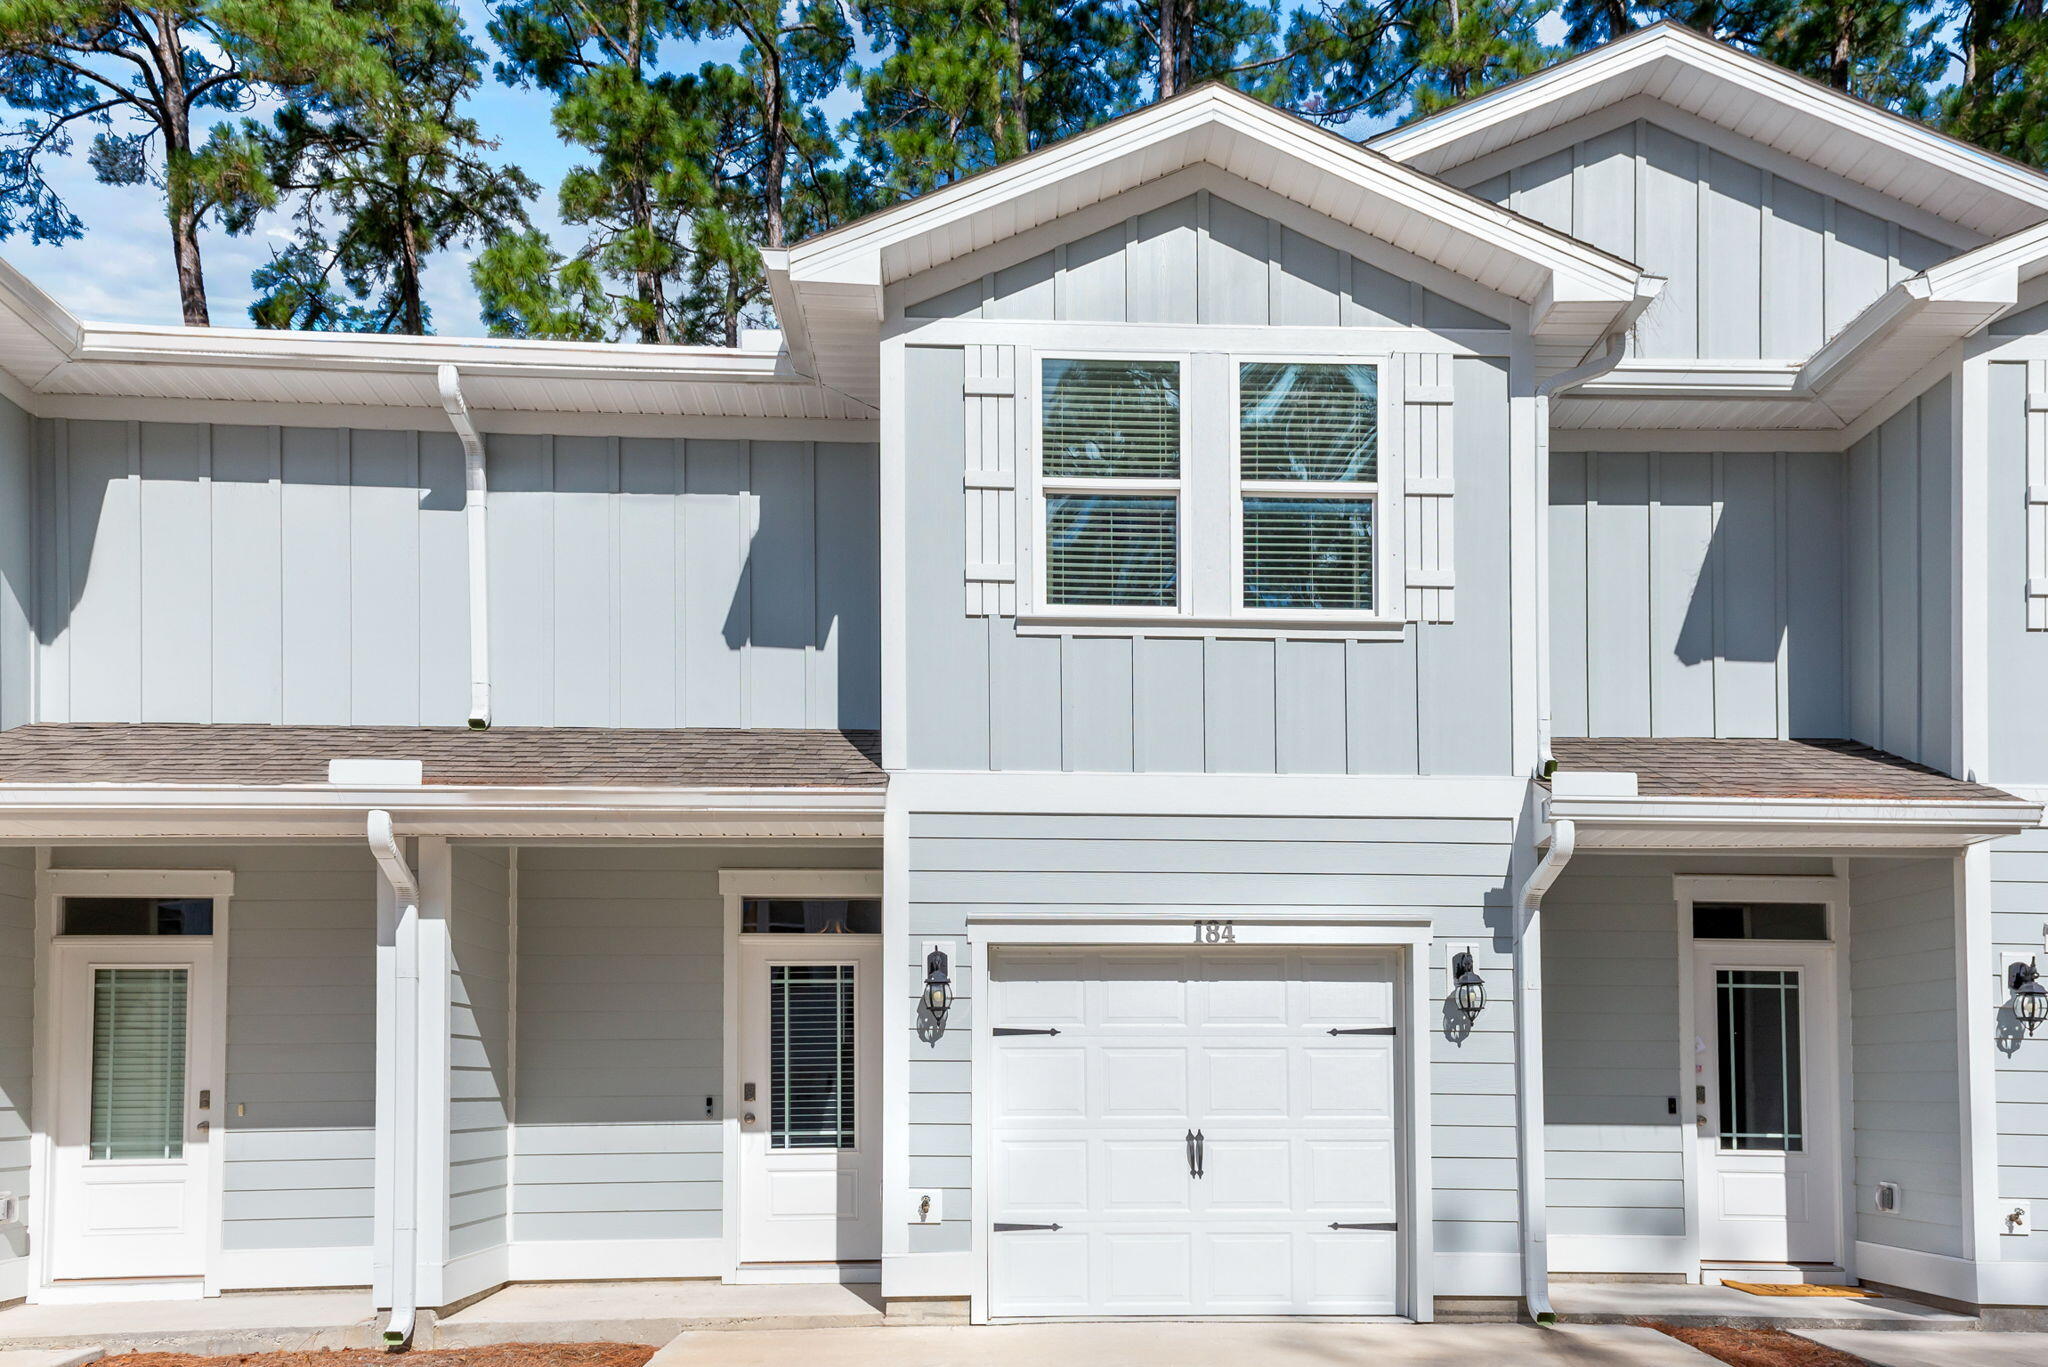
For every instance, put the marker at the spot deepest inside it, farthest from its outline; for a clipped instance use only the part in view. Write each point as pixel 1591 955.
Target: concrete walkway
pixel 1672 1303
pixel 1169 1344
pixel 251 1322
pixel 650 1312
pixel 1932 1350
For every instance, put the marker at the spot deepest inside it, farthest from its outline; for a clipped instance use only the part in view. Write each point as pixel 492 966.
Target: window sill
pixel 1247 627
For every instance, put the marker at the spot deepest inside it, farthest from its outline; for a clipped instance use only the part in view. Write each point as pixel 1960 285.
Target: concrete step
pixel 246 1323
pixel 50 1357
pixel 649 1312
pixel 1720 1306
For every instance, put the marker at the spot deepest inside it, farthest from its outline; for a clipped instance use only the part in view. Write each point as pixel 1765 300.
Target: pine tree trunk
pixel 1838 66
pixel 647 287
pixel 1170 75
pixel 412 307
pixel 778 139
pixel 1018 135
pixel 181 205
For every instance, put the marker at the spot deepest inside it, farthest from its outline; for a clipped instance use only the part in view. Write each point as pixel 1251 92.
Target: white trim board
pixel 610 1260
pixel 1210 794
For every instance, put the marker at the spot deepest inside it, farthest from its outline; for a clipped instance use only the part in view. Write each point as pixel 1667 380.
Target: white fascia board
pixel 1817 822
pixel 29 302
pixel 1188 123
pixel 321 796
pixel 789 311
pixel 1638 378
pixel 1623 67
pixel 1965 307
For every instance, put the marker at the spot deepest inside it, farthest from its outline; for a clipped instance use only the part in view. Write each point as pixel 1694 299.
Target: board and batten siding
pixel 1204 260
pixel 1899 642
pixel 2017 723
pixel 17 566
pixel 1089 866
pixel 1697 593
pixel 17 1054
pixel 302 1032
pixel 197 573
pixel 1756 265
pixel 982 696
pixel 479 1048
pixel 1904 1052
pixel 620 1035
pixel 2019 920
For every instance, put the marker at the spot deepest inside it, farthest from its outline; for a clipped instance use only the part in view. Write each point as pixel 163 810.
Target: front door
pixel 135 1022
pixel 810 1099
pixel 1767 1102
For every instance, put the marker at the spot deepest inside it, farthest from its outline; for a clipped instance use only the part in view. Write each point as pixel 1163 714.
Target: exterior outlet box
pixel 1887 1202
pixel 2016 1218
pixel 927 1207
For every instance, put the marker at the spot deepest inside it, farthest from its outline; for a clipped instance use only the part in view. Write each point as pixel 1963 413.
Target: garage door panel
pixel 1299 1128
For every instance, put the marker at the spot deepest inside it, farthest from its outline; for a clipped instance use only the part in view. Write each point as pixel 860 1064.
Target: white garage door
pixel 1201 1133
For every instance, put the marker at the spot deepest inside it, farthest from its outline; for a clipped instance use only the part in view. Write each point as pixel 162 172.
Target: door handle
pixel 1193 1169
pixel 1201 1155
pixel 204 1126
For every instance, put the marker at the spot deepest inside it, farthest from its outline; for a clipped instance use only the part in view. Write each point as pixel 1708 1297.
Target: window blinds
pixel 1316 423
pixel 810 1056
pixel 1112 549
pixel 138 1063
pixel 1308 554
pixel 1111 419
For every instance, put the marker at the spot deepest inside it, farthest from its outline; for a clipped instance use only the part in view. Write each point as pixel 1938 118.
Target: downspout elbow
pixel 383 836
pixel 475 500
pixel 1529 1070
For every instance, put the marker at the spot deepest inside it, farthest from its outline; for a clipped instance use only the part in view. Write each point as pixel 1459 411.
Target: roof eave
pixel 1658 821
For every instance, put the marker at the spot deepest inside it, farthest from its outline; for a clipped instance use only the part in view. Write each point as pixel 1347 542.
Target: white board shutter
pixel 990 481
pixel 2037 496
pixel 1421 512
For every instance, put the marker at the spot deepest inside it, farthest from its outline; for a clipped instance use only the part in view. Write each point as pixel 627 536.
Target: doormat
pixel 1801 1289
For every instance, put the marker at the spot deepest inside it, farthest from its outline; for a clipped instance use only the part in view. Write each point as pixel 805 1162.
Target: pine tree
pixel 598 58
pixel 399 175
pixel 71 66
pixel 2000 100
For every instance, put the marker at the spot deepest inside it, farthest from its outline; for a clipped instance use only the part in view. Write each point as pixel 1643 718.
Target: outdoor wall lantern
pixel 938 987
pixel 2029 994
pixel 1468 989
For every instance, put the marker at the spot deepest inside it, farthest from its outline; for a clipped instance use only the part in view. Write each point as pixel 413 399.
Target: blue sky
pixel 120 271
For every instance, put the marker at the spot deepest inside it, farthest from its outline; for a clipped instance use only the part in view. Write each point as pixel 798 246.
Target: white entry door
pixel 131 1135
pixel 1208 1133
pixel 1767 1127
pixel 810 1123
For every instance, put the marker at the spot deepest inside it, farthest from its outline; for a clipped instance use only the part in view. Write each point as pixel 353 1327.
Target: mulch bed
pixel 496 1355
pixel 1757 1347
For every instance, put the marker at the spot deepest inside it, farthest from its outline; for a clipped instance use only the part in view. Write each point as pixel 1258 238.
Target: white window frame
pixel 1374 492
pixel 1033 538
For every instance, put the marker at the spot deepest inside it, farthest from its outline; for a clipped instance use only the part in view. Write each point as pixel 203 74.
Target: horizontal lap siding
pixel 981 696
pixel 621 956
pixel 1756 265
pixel 1697 594
pixel 1901 569
pixel 965 863
pixel 197 573
pixel 1902 981
pixel 480 1066
pixel 17 1039
pixel 301 1081
pixel 2019 915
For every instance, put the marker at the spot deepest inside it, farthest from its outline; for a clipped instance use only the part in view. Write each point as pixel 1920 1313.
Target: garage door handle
pixel 1002 1228
pixel 1024 1030
pixel 1192 1170
pixel 1201 1155
pixel 1388 1228
pixel 1366 1030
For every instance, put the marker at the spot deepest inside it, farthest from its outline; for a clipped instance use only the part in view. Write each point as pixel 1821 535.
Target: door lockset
pixel 747 1093
pixel 206 1098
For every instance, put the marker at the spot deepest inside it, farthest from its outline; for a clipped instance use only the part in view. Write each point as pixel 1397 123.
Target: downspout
pixel 403 1088
pixel 475 492
pixel 1529 1071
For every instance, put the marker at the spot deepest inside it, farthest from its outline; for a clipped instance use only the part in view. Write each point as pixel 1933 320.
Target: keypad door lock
pixel 747 1093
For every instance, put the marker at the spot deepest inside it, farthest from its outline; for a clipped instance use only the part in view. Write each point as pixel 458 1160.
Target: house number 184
pixel 1215 932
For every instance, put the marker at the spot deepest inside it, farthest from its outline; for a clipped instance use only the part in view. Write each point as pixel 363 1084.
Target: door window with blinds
pixel 139 1022
pixel 1111 434
pixel 811 1056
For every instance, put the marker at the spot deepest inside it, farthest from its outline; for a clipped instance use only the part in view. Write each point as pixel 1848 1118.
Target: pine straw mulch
pixel 1756 1347
pixel 496 1355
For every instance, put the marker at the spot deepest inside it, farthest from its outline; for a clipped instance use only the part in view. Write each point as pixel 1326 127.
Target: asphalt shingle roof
pixel 1691 767
pixel 520 756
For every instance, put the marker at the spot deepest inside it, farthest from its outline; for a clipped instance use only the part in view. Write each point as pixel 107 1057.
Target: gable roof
pixel 1979 191
pixel 829 290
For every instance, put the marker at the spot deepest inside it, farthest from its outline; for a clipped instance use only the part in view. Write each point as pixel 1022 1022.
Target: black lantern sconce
pixel 2029 994
pixel 1468 989
pixel 938 988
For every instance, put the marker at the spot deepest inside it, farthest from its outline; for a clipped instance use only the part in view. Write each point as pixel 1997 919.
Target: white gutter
pixel 398 1079
pixel 475 491
pixel 1529 1117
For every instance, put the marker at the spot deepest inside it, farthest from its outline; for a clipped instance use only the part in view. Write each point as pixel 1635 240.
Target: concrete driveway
pixel 1184 1345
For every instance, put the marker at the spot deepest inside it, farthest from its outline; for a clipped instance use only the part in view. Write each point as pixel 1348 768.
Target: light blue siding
pixel 1697 594
pixel 980 696
pixel 2019 917
pixel 301 1013
pixel 17 1041
pixel 1908 1103
pixel 199 573
pixel 1756 265
pixel 17 565
pixel 2018 723
pixel 1201 259
pixel 1898 644
pixel 1090 865
pixel 480 1039
pixel 620 1030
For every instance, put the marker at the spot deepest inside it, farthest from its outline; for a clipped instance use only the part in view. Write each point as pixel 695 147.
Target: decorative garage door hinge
pixel 1388 1228
pixel 1024 1030
pixel 1366 1030
pixel 1002 1228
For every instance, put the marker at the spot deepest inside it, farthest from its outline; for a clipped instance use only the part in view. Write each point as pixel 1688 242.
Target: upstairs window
pixel 1111 435
pixel 1308 486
